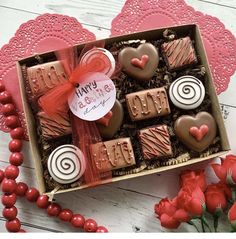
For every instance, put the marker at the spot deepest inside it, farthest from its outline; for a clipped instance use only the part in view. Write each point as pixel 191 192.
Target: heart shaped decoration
pixel 197 132
pixel 139 63
pixel 115 121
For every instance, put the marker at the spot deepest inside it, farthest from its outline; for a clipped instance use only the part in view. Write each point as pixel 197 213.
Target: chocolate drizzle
pixel 148 104
pixel 155 142
pixel 44 77
pixel 179 53
pixel 113 154
pixel 51 128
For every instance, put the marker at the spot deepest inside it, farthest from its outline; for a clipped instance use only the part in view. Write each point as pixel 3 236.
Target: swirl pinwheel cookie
pixel 66 164
pixel 187 92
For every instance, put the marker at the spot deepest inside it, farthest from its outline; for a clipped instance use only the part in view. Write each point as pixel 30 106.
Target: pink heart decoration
pixel 199 133
pixel 140 63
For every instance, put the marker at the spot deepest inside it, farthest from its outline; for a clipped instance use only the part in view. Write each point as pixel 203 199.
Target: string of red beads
pixel 11 189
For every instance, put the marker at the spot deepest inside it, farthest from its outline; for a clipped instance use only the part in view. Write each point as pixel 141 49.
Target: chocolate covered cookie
pixel 187 92
pixel 147 104
pixel 109 130
pixel 44 77
pixel 179 53
pixel 196 132
pixel 140 63
pixel 155 142
pixel 113 154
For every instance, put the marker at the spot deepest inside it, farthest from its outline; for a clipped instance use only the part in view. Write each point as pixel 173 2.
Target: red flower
pixel 215 199
pixel 192 200
pixel 226 171
pixel 196 178
pixel 232 216
pixel 170 216
pixel 226 189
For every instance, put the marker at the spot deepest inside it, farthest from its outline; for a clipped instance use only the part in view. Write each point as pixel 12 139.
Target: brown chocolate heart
pixel 198 132
pixel 115 122
pixel 140 63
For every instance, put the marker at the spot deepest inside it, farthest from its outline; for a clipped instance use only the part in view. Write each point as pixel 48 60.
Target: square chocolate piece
pixel 155 142
pixel 112 154
pixel 179 53
pixel 148 104
pixel 51 128
pixel 44 77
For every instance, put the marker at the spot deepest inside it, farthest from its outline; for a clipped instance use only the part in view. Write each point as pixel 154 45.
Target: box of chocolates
pixel 128 106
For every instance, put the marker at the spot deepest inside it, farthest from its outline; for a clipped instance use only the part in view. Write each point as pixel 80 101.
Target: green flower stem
pixel 216 220
pixel 233 194
pixel 204 221
pixel 194 225
pixel 203 228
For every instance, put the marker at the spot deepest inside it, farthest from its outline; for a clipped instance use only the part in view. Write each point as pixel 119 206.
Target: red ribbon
pixel 54 103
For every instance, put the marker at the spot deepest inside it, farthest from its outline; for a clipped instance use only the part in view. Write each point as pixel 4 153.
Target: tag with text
pixel 93 98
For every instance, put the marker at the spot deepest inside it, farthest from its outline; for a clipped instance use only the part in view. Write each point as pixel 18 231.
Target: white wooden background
pixel 125 206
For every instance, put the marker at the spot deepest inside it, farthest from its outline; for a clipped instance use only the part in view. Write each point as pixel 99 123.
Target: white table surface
pixel 125 206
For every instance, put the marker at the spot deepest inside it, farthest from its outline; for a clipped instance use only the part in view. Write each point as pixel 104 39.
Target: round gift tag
pixel 66 164
pixel 100 59
pixel 93 98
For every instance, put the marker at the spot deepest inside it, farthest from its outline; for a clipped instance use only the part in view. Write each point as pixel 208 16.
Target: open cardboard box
pixel 148 35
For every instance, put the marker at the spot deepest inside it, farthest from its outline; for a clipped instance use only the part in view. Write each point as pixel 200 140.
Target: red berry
pixel 9 213
pixel 15 145
pixel 13 225
pixel 53 209
pixel 22 230
pixel 42 201
pixel 16 158
pixel 90 225
pixel 66 215
pixel 1 175
pixel 8 185
pixel 77 220
pixel 101 229
pixel 17 133
pixel 12 121
pixel 9 200
pixel 2 87
pixel 5 97
pixel 21 189
pixel 11 172
pixel 8 109
pixel 32 194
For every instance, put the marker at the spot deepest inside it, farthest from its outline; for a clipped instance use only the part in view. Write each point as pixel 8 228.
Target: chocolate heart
pixel 198 132
pixel 140 63
pixel 114 123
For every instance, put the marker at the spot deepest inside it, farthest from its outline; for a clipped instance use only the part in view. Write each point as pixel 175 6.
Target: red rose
pixel 226 189
pixel 166 210
pixel 226 171
pixel 196 178
pixel 215 199
pixel 192 200
pixel 232 216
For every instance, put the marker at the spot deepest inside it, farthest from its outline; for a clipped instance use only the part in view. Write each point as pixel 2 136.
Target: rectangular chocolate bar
pixel 44 77
pixel 148 104
pixel 179 53
pixel 51 128
pixel 113 154
pixel 155 142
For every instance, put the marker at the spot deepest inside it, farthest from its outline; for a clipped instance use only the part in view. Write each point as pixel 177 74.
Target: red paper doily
pixel 47 32
pixel 220 43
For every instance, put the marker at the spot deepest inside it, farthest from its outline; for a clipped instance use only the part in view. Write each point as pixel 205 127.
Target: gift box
pixel 134 133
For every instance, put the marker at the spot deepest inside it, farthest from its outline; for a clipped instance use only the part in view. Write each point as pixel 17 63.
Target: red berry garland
pixel 12 189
